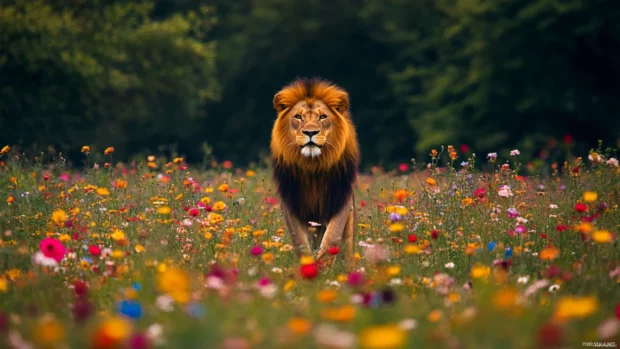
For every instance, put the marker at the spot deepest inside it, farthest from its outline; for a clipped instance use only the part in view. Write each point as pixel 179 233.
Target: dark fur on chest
pixel 315 196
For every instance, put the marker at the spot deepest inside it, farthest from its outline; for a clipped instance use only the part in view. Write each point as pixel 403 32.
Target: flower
pixel 175 283
pixel 467 201
pixel 504 191
pixel 130 308
pixel 4 150
pixel 389 336
pixel 575 307
pixel 219 206
pixel 480 271
pixel 112 332
pixel 334 250
pixel 52 248
pixel 580 207
pixel 430 181
pixel 48 332
pixel 492 157
pixel 345 313
pixel 194 212
pixel 602 236
pixel 590 196
pixel 85 149
pixel 108 150
pixel 396 227
pixel 400 195
pixel 549 254
pixel 612 162
pixel 309 271
pixel 514 152
pixel 256 251
pixel 102 191
pixel 59 217
pixel 299 326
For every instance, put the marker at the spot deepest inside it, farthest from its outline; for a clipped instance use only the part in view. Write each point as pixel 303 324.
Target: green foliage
pixel 102 73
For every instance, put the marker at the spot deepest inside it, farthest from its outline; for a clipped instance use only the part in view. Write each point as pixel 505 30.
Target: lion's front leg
pixel 336 231
pixel 298 233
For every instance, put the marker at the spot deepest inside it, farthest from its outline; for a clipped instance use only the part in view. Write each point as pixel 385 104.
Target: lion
pixel 315 158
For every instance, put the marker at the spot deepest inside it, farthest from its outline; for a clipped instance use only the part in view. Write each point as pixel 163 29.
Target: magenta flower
pixel 53 248
pixel 256 251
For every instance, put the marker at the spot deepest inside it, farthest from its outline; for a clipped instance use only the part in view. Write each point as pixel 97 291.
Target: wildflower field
pixel 457 252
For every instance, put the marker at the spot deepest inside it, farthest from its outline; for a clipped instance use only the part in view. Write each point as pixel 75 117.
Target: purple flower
pixel 512 212
pixel 520 229
pixel 395 217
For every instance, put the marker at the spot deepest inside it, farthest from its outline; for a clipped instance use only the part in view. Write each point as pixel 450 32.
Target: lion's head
pixel 313 128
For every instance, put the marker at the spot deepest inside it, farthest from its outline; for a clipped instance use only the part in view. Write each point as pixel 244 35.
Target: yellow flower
pixel 288 286
pixel 602 236
pixel 575 307
pixel 326 296
pixel 584 227
pixel 103 191
pixel 4 284
pixel 383 337
pixel 48 332
pixel 4 150
pixel 59 216
pixel 304 260
pixel 118 254
pixel 223 187
pixel 250 173
pixel 118 235
pixel 505 298
pixel 208 190
pixel 177 160
pixel 396 227
pixel 430 181
pixel 205 200
pixel 590 196
pixel 393 270
pixel 139 248
pixel 64 238
pixel 480 271
pixel 299 326
pixel 108 150
pixel 165 210
pixel 268 257
pixel 467 201
pixel 174 282
pixel 116 328
pixel 412 249
pixel 85 149
pixel 219 206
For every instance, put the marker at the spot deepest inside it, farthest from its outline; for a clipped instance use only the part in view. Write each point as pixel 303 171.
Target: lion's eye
pixel 322 117
pixel 298 117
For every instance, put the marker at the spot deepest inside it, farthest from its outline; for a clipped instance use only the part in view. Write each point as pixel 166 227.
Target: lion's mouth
pixel 311 144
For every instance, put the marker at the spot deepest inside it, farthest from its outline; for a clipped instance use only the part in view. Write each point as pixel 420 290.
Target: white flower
pixel 449 265
pixel 521 220
pixel 553 288
pixel 537 285
pixel 396 281
pixel 155 334
pixel 407 324
pixel 276 270
pixel 164 303
pixel 523 280
pixel 40 259
pixel 269 291
pixel 553 206
pixel 330 336
pixel 492 155
pixel 314 224
pixel 514 152
pixel 612 162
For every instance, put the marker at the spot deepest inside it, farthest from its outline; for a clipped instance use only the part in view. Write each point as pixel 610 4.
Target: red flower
pixel 334 250
pixel 355 279
pixel 80 288
pixel 412 238
pixel 464 148
pixel 543 236
pixel 194 212
pixel 561 227
pixel 480 193
pixel 208 208
pixel 434 234
pixel 94 250
pixel 309 271
pixel 568 139
pixel 549 336
pixel 53 248
pixel 580 207
pixel 403 167
pixel 618 311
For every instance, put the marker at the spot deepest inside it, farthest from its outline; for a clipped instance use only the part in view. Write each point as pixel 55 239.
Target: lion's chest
pixel 315 197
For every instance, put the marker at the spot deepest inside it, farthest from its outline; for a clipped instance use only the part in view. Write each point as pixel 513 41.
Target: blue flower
pixel 196 310
pixel 136 286
pixel 508 252
pixel 130 309
pixel 491 245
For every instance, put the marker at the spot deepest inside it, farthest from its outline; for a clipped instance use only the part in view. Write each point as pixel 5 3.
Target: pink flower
pixel 53 248
pixel 504 191
pixel 256 251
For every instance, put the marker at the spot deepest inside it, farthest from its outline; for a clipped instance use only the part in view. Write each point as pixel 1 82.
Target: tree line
pixel 199 77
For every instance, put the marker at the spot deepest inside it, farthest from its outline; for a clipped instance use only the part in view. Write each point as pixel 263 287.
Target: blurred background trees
pixel 483 75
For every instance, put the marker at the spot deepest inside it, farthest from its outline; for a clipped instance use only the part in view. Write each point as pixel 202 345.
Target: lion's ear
pixel 278 103
pixel 343 104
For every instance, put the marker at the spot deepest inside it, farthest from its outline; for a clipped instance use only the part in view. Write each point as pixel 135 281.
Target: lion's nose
pixel 310 133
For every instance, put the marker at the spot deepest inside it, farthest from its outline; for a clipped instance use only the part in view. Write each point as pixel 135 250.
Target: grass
pixel 162 255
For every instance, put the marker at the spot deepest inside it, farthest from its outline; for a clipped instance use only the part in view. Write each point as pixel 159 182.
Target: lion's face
pixel 314 127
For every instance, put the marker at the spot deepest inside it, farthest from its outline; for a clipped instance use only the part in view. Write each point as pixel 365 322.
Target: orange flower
pixel 4 150
pixel 430 181
pixel 345 313
pixel 299 326
pixel 467 201
pixel 549 254
pixel 108 150
pixel 400 195
pixel 85 149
